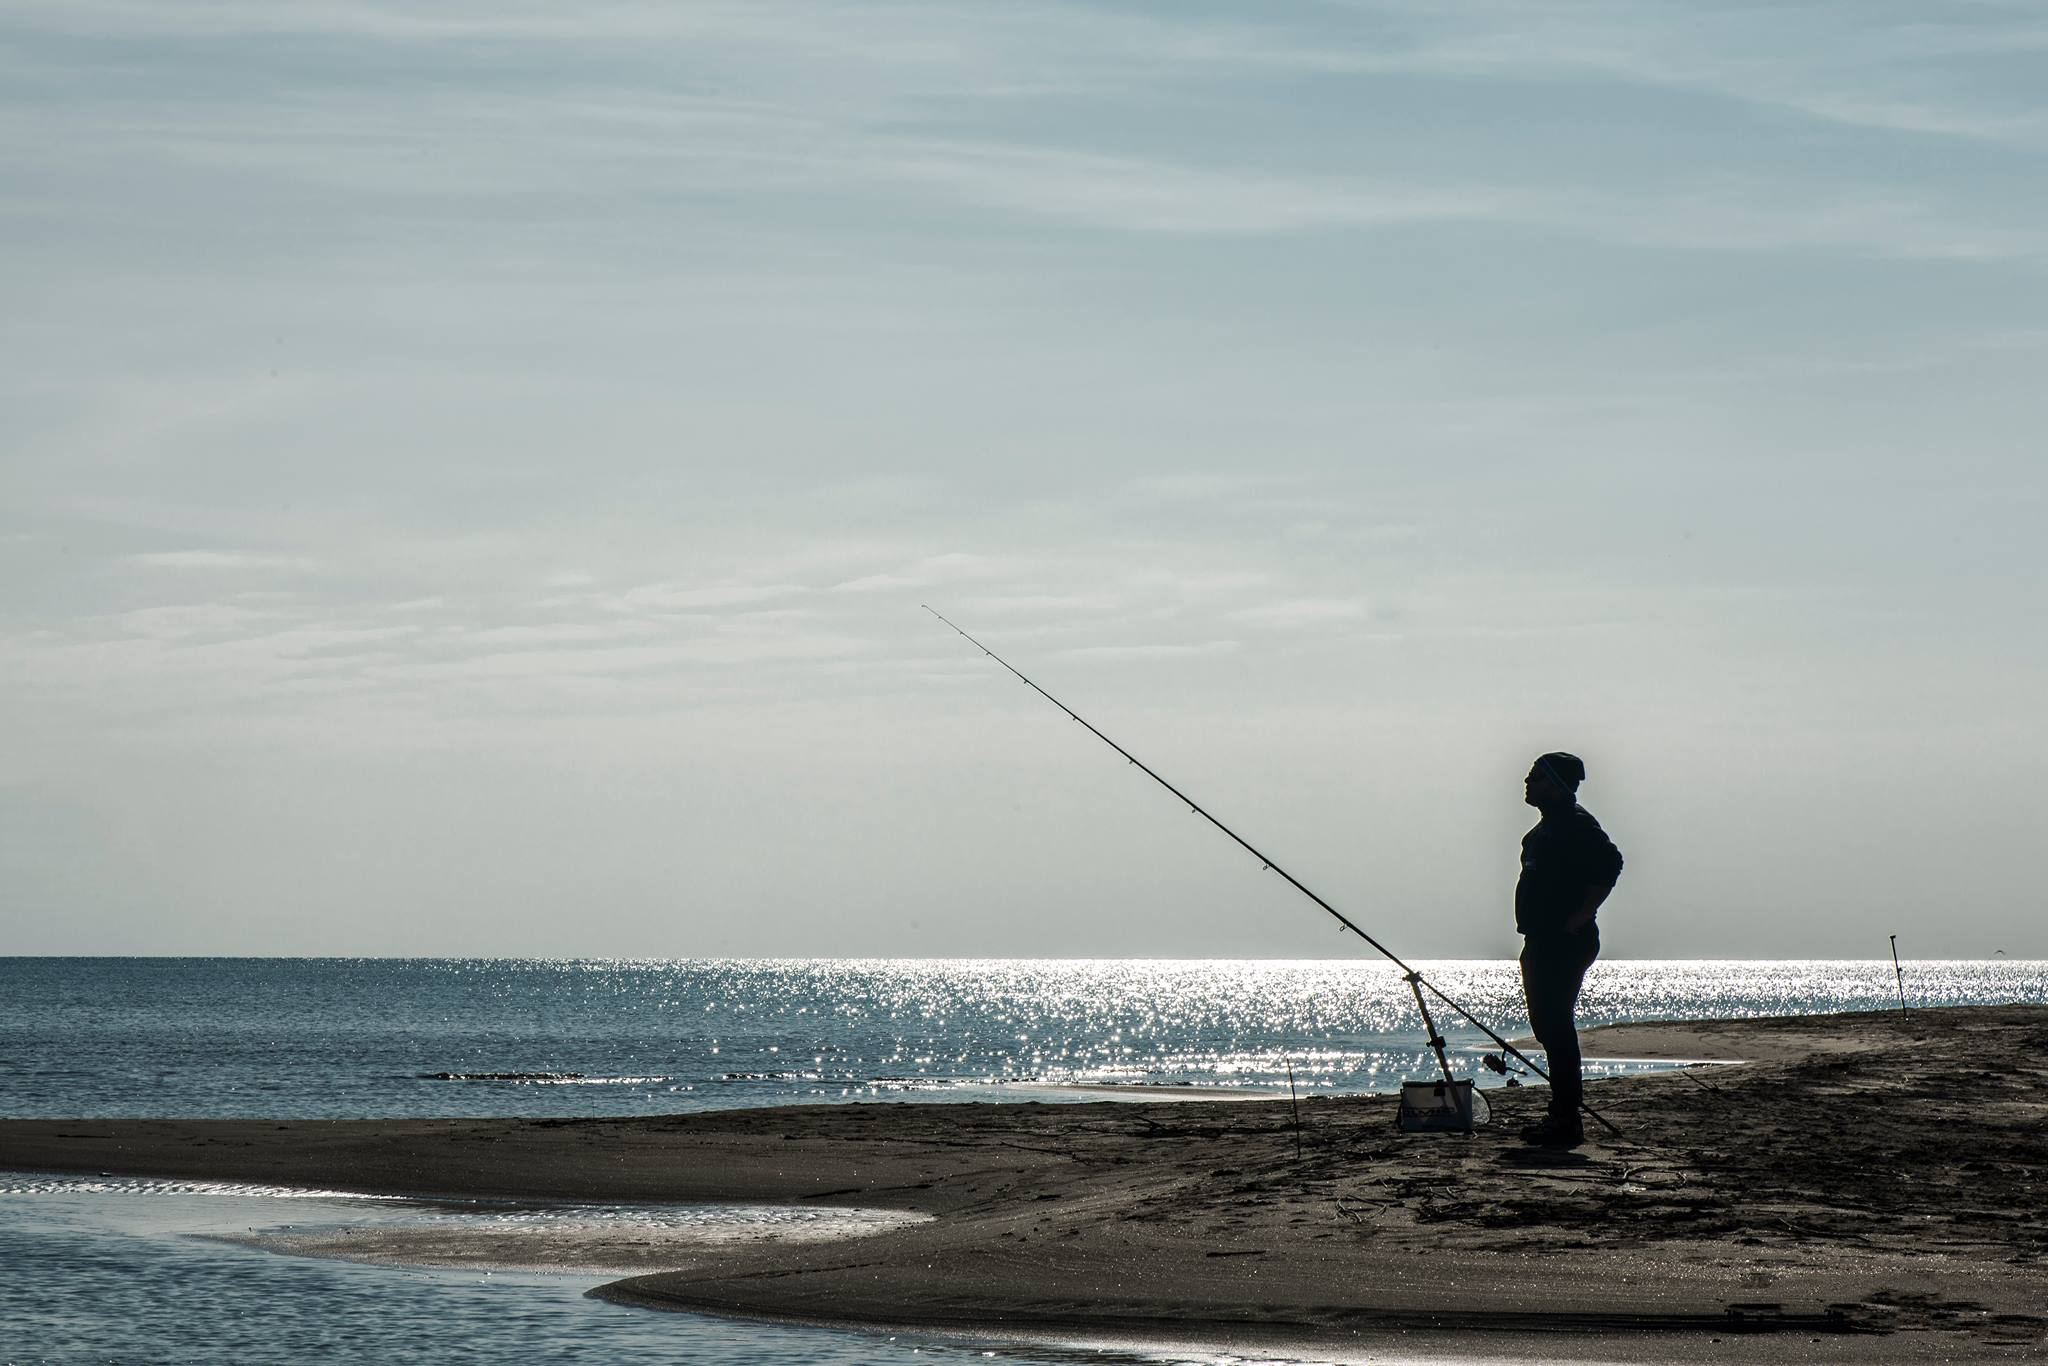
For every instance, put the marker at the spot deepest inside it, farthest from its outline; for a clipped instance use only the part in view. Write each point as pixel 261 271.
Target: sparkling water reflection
pixel 375 1037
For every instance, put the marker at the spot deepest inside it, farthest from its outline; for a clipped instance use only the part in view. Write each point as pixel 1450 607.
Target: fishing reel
pixel 1496 1063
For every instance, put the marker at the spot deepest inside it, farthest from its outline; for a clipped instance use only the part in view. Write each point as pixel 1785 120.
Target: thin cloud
pixel 1203 487
pixel 1199 584
pixel 556 633
pixel 719 651
pixel 1295 613
pixel 878 583
pixel 922 573
pixel 185 620
pixel 218 559
pixel 1004 604
pixel 1207 647
pixel 742 146
pixel 1129 194
pixel 1862 69
pixel 671 597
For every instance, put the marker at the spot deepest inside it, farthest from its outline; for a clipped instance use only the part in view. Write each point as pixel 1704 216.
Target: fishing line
pixel 1415 980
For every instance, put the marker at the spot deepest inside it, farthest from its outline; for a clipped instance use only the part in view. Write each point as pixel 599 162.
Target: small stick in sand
pixel 1900 974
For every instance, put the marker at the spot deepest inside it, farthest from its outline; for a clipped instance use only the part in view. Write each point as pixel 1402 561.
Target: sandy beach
pixel 1862 1188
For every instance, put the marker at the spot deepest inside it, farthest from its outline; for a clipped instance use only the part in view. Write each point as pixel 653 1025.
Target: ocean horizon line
pixel 1375 963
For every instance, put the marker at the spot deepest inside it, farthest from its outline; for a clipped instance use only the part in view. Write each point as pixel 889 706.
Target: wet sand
pixel 1863 1189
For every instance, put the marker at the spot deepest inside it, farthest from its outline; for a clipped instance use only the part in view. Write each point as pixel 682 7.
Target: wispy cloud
pixel 1295 613
pixel 556 633
pixel 1159 651
pixel 1200 583
pixel 1208 485
pixel 1129 194
pixel 921 573
pixel 676 597
pixel 179 621
pixel 811 104
pixel 218 559
pixel 1883 67
pixel 879 583
pixel 1037 604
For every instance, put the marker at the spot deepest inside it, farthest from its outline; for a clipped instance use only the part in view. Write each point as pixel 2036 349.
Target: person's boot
pixel 1557 1131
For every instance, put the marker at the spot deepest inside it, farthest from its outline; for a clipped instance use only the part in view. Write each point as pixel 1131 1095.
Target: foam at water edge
pixel 14 1184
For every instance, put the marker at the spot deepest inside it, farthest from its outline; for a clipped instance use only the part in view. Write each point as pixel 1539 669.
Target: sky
pixel 469 473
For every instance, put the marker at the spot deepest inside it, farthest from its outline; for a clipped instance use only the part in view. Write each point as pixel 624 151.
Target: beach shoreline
pixel 1836 1198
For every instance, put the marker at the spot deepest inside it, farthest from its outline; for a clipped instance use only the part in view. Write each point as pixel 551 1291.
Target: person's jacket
pixel 1566 856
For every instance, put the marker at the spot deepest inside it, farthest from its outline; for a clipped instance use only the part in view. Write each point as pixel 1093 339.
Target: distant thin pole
pixel 1899 973
pixel 1294 1105
pixel 1414 978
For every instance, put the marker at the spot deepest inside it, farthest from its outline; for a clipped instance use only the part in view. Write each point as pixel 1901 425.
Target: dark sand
pixel 1865 1189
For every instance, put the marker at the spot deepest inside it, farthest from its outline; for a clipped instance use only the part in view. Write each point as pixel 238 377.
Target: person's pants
pixel 1553 970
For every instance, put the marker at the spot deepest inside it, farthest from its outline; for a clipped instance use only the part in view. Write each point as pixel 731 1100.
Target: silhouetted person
pixel 1568 868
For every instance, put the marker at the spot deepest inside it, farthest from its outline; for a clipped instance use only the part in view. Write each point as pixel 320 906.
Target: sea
pixel 120 1270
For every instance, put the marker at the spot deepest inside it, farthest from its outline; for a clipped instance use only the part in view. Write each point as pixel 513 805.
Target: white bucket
pixel 1440 1106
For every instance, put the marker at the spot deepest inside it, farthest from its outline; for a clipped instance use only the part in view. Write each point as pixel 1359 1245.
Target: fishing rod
pixel 1415 980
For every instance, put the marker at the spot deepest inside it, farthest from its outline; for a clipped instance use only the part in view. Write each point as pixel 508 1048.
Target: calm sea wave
pixel 339 1038
pixel 98 1278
